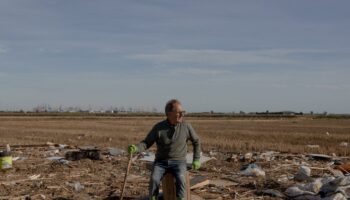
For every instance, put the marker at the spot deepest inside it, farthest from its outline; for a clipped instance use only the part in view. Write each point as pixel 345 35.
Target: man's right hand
pixel 132 149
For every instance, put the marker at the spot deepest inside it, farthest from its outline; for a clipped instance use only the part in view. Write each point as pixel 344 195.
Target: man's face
pixel 176 115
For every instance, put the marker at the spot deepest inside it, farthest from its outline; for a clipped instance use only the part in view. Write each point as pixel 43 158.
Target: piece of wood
pixel 345 168
pixel 198 181
pixel 188 187
pixel 168 185
pixel 169 190
pixel 126 176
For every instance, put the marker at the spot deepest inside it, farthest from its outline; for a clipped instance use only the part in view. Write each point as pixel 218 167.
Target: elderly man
pixel 171 136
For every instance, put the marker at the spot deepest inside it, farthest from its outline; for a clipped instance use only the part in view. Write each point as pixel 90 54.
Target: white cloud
pixel 223 57
pixel 198 71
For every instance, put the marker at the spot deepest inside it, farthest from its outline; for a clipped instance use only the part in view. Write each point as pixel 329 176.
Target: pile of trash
pixel 331 180
pixel 252 170
pixel 326 188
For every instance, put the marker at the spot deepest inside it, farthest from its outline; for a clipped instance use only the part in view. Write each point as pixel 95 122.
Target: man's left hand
pixel 196 165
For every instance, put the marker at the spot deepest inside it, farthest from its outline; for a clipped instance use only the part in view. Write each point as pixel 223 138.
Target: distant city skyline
pixel 140 109
pixel 224 56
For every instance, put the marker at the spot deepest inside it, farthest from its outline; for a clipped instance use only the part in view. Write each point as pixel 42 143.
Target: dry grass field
pixel 222 134
pixel 34 176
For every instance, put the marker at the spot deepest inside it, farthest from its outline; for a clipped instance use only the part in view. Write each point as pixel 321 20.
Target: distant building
pixel 283 113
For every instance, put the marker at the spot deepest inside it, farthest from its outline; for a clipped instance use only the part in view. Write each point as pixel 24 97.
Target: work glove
pixel 132 149
pixel 196 164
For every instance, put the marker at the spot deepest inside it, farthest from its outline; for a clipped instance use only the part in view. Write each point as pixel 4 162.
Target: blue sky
pixel 212 55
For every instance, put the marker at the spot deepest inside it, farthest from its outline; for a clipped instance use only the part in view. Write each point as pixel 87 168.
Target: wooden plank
pixel 188 188
pixel 198 181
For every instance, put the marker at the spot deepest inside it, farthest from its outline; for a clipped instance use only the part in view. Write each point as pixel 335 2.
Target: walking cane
pixel 126 175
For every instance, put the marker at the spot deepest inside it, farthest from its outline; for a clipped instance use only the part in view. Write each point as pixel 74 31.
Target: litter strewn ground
pixel 46 172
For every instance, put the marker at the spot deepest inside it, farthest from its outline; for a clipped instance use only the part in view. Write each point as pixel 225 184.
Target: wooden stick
pixel 126 175
pixel 342 169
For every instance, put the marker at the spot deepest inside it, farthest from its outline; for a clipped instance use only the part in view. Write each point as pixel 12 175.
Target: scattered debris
pixel 116 152
pixel 76 185
pixel 337 196
pixel 345 168
pixel 296 191
pixel 50 144
pixel 6 158
pixel 198 181
pixel 203 159
pixel 219 178
pixel 273 193
pixel 5 161
pixel 18 158
pixel 233 158
pixel 303 174
pixel 326 187
pixel 267 156
pixel 320 157
pixel 55 158
pixel 283 178
pixel 222 183
pixel 93 154
pixel 344 144
pixel 34 177
pixel 313 146
pixel 58 159
pixel 252 170
pixel 248 157
pixel 52 152
pixel 62 146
